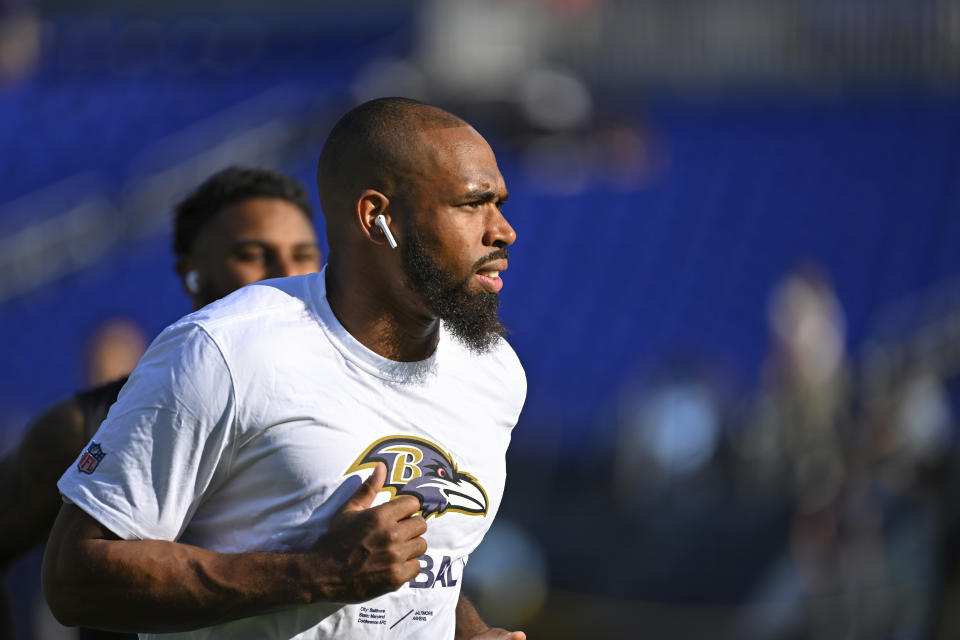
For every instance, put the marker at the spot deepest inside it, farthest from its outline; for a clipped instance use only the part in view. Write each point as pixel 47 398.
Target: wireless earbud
pixel 381 222
pixel 192 280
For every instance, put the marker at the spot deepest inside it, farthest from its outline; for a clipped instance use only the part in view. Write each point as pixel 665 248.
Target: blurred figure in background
pixel 805 392
pixel 20 40
pixel 240 226
pixel 114 350
pixel 793 445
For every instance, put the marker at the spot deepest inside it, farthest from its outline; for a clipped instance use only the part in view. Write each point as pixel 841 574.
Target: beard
pixel 470 317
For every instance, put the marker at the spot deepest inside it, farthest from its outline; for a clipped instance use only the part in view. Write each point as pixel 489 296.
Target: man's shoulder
pixel 244 324
pixel 257 306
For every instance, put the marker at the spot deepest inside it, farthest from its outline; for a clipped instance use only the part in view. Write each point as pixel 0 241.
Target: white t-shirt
pixel 248 423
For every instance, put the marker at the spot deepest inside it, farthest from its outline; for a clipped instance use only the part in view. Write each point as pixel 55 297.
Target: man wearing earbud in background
pixel 237 488
pixel 240 226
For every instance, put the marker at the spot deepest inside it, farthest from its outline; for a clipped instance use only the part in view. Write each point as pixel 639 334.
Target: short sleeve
pixel 165 443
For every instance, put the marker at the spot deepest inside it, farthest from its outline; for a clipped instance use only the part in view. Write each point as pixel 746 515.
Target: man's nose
pixel 499 233
pixel 281 268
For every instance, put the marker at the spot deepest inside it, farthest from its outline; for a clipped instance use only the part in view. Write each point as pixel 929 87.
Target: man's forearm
pixel 159 586
pixel 469 622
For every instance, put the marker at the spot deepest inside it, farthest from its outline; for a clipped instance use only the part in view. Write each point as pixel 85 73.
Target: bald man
pixel 317 456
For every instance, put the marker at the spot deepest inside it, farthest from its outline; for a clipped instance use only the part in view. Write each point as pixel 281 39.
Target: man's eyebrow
pixel 250 243
pixel 482 195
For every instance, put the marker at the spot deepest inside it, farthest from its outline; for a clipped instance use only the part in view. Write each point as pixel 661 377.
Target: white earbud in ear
pixel 381 222
pixel 192 280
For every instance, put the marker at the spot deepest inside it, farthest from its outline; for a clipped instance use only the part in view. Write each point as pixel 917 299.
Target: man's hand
pixel 470 626
pixel 500 634
pixel 373 550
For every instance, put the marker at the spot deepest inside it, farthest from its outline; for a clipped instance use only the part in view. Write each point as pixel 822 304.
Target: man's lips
pixel 489 275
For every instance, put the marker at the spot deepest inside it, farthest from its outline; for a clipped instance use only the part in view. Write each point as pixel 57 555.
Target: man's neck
pixel 380 320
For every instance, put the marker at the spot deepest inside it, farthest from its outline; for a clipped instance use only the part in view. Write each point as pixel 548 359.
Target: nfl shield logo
pixel 91 458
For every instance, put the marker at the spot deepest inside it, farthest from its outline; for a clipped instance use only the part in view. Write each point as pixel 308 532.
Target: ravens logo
pixel 419 468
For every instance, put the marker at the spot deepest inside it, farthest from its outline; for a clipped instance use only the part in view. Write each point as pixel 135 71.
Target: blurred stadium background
pixel 736 289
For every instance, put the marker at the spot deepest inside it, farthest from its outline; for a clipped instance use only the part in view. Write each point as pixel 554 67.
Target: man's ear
pixel 371 204
pixel 184 266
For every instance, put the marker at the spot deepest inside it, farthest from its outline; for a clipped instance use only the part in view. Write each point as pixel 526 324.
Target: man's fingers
pixel 400 507
pixel 412 549
pixel 363 497
pixel 411 570
pixel 411 527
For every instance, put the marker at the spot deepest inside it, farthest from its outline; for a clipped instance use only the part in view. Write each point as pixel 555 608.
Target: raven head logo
pixel 419 468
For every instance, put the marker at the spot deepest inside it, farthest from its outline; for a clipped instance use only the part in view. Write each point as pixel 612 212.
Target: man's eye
pixel 307 257
pixel 250 256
